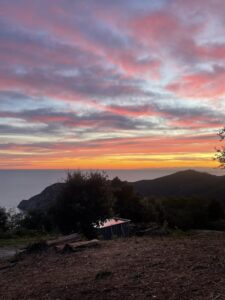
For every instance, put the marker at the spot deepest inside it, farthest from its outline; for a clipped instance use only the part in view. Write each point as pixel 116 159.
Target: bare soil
pixel 133 268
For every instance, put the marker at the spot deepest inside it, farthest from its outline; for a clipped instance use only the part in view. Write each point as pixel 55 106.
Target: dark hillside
pixel 42 200
pixel 185 184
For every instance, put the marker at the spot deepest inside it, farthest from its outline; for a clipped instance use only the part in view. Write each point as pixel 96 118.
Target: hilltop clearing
pixel 186 267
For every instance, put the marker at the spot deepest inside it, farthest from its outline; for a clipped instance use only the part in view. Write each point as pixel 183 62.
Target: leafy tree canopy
pixel 220 152
pixel 3 219
pixel 86 199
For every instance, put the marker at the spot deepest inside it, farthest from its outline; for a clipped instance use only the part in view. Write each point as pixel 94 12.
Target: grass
pixel 178 233
pixel 22 241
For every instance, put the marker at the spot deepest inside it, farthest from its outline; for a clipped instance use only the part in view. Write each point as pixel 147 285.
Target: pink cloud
pixel 197 122
pixel 164 31
pixel 201 85
pixel 93 54
pixel 177 39
pixel 148 145
pixel 60 26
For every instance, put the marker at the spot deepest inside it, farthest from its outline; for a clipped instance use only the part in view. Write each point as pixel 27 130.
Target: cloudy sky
pixel 111 84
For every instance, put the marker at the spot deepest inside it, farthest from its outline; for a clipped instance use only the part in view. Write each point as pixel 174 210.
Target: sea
pixel 17 185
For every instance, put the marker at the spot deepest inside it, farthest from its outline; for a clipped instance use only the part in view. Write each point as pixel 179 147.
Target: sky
pixel 111 84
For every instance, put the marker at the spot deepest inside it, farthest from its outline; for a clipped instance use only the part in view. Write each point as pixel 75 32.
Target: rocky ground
pixel 191 267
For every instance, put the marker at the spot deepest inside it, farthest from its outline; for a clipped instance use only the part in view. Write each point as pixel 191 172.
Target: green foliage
pixel 185 213
pixel 14 220
pixel 38 220
pixel 153 210
pixel 179 233
pixel 17 225
pixel 127 204
pixel 84 200
pixel 220 152
pixel 90 198
pixel 215 210
pixel 36 247
pixel 3 220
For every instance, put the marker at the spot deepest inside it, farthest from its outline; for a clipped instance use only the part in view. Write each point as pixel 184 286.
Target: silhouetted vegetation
pixel 127 204
pixel 3 220
pixel 86 199
pixel 220 152
pixel 38 220
pixel 90 198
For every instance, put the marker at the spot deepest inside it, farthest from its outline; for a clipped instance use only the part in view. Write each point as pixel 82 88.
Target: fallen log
pixel 75 237
pixel 71 247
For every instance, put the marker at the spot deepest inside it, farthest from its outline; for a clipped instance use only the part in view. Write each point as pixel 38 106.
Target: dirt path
pixel 135 268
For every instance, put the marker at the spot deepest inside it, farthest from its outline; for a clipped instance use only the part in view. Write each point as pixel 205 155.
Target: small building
pixel 117 227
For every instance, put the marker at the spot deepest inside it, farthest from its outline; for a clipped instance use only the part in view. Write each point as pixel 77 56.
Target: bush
pixel 3 220
pixel 127 204
pixel 215 210
pixel 153 210
pixel 37 247
pixel 85 199
pixel 186 213
pixel 217 225
pixel 36 220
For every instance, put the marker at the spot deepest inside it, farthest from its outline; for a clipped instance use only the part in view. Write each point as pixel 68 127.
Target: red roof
pixel 112 222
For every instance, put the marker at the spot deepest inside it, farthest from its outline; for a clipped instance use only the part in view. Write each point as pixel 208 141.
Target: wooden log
pixel 81 245
pixel 75 237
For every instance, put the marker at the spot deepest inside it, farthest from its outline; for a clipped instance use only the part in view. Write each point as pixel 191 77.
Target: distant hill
pixel 42 200
pixel 187 183
pixel 184 183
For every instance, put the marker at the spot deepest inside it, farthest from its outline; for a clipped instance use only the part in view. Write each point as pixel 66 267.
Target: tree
pixel 14 220
pixel 37 219
pixel 127 203
pixel 220 152
pixel 3 219
pixel 215 210
pixel 85 200
pixel 153 210
pixel 185 213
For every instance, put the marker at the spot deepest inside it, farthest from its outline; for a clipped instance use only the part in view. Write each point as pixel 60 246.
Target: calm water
pixel 16 185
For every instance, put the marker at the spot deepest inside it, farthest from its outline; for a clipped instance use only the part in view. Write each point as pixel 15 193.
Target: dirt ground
pixel 133 268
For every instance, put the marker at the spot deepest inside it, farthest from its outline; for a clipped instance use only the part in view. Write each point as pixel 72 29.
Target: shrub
pixel 127 204
pixel 85 199
pixel 186 213
pixel 37 220
pixel 3 220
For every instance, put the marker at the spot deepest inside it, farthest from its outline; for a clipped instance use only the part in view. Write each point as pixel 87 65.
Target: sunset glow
pixel 111 84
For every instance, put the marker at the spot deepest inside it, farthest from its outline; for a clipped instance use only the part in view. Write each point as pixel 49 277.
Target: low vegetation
pixel 85 199
pixel 90 198
pixel 220 153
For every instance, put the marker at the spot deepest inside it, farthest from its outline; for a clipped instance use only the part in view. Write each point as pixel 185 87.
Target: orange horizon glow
pixel 111 84
pixel 116 163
